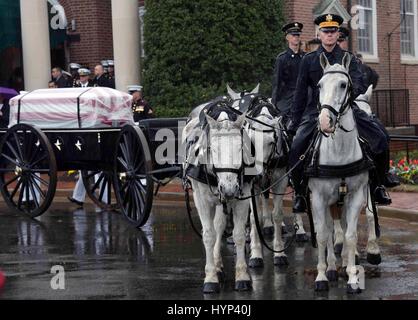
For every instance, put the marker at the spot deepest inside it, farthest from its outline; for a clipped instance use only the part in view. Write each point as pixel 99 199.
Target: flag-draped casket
pixel 95 107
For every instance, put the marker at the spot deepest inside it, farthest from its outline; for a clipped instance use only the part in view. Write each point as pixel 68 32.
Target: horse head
pixel 225 153
pixel 237 96
pixel 263 128
pixel 335 90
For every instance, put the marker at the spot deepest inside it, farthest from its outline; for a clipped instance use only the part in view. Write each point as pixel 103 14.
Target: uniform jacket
pixel 310 72
pixel 285 77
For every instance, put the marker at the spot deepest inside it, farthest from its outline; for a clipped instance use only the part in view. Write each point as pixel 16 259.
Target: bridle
pixel 348 101
pixel 215 169
pixel 252 115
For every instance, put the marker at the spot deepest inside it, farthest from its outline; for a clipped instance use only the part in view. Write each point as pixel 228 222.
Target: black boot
pixel 299 202
pixel 381 196
pixel 378 179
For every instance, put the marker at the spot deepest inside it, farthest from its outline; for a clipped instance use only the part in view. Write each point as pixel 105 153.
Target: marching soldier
pixel 286 70
pixel 305 112
pixel 74 67
pixel 140 107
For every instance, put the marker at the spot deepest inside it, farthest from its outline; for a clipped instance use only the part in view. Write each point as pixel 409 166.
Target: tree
pixel 194 47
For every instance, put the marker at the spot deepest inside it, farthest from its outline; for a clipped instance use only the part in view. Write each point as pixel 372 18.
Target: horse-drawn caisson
pixel 87 129
pixel 236 151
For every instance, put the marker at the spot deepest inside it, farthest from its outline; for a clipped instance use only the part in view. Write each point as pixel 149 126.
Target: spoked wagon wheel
pixel 28 170
pixel 133 185
pixel 99 186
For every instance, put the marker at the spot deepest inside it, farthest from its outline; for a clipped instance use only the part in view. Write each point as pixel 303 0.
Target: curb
pixel 385 212
pixel 167 197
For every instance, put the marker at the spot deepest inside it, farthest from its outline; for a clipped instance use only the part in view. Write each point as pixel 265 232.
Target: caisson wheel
pixel 132 182
pixel 28 170
pixel 99 187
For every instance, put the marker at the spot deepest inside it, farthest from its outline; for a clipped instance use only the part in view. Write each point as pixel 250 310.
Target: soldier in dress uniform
pixel 343 38
pixel 305 112
pixel 105 65
pixel 74 67
pixel 111 73
pixel 79 193
pixel 61 79
pixel 286 70
pixel 100 79
pixel 140 107
pixel 84 75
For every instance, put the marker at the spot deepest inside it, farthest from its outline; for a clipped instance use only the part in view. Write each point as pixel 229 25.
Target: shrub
pixel 193 48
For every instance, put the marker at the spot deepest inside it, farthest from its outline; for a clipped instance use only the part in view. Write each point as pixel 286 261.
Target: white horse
pixel 340 148
pixel 267 215
pixel 223 150
pixel 373 250
pixel 266 137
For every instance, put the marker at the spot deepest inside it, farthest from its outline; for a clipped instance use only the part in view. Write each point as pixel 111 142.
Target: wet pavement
pixel 105 258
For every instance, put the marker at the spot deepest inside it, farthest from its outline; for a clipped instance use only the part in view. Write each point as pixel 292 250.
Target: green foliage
pixel 193 48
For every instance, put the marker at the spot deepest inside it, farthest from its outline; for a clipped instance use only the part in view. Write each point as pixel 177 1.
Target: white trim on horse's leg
pixel 299 222
pixel 353 205
pixel 240 219
pixel 278 215
pixel 338 232
pixel 256 250
pixel 267 214
pixel 319 210
pixel 219 224
pixel 206 209
pixel 372 245
pixel 331 258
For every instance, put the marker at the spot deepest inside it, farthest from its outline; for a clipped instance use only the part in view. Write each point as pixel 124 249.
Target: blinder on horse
pixel 277 157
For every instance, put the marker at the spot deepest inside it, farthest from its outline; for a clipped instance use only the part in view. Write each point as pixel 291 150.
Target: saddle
pixel 314 170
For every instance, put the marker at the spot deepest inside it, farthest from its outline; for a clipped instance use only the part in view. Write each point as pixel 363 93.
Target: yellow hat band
pixel 329 24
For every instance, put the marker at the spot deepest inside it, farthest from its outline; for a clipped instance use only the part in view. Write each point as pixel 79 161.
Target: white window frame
pixel 412 59
pixel 374 57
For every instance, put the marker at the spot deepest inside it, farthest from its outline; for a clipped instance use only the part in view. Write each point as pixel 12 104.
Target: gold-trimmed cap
pixel 329 20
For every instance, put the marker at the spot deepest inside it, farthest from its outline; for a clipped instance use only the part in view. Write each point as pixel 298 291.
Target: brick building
pixel 387 38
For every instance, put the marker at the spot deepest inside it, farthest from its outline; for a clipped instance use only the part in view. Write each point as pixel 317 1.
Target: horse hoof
pixel 374 259
pixel 221 276
pixel 321 286
pixel 353 290
pixel 338 248
pixel 303 237
pixel 256 263
pixel 268 231
pixel 332 275
pixel 211 287
pixel 357 260
pixel 281 261
pixel 243 285
pixel 230 240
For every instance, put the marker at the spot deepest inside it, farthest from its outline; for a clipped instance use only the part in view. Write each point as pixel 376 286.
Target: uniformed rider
pixel 286 70
pixel 305 112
